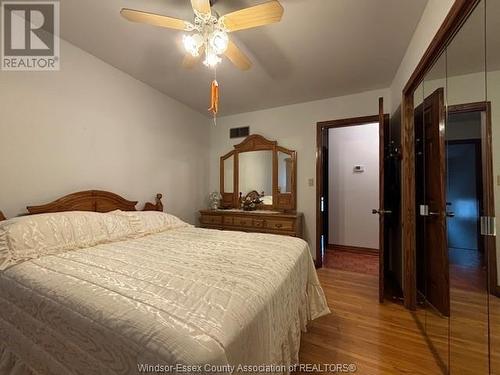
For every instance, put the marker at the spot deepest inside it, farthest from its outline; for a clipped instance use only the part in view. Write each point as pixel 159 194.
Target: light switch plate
pixel 310 182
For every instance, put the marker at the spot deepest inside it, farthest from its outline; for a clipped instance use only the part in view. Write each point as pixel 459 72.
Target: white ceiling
pixel 321 48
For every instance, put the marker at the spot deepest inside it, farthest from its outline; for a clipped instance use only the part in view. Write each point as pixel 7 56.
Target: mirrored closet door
pixel 457 192
pixel 491 226
pixel 468 184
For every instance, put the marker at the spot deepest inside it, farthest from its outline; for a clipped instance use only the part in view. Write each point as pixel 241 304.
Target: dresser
pixel 262 221
pixel 261 176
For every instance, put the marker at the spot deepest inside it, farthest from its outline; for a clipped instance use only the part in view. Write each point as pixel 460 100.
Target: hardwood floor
pixel 367 263
pixel 378 339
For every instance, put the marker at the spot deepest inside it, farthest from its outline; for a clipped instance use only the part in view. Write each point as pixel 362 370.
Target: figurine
pixel 214 200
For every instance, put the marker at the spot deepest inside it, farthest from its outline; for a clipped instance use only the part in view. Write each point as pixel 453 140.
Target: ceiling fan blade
pixel 237 57
pixel 259 15
pixel 154 19
pixel 202 6
pixel 190 61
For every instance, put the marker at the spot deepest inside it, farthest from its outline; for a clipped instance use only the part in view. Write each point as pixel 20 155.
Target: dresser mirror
pixel 256 174
pixel 228 165
pixel 284 173
pixel 258 166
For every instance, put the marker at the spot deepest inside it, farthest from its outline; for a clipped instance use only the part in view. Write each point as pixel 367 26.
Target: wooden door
pixel 382 211
pixel 433 207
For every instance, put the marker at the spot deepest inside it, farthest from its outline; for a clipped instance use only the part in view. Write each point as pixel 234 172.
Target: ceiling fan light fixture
pixel 211 59
pixel 192 43
pixel 219 41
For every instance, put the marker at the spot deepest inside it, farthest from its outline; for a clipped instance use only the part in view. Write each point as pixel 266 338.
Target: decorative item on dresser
pixel 257 165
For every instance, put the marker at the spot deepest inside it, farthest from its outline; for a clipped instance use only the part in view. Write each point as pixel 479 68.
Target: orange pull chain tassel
pixel 214 101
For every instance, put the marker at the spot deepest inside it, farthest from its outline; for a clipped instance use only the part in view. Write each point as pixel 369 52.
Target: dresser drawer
pixel 211 219
pixel 259 223
pixel 243 221
pixel 279 224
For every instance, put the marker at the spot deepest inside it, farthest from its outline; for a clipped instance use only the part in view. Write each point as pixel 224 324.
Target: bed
pixel 91 286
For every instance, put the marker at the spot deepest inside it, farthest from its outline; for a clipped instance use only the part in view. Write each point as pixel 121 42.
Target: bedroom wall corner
pixel 91 126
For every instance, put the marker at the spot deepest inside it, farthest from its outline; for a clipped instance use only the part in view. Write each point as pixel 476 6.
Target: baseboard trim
pixel 352 249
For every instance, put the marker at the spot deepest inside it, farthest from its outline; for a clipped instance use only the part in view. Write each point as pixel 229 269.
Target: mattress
pixel 181 297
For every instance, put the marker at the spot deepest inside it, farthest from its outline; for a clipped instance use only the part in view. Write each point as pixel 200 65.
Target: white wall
pixel 91 126
pixel 353 195
pixel 294 127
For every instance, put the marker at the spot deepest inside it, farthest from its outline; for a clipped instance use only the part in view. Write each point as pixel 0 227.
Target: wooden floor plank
pixel 378 339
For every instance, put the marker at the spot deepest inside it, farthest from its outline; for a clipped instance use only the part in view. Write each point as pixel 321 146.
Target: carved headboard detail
pixel 92 200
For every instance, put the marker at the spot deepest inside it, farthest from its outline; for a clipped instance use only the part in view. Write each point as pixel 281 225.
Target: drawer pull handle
pixel 278 225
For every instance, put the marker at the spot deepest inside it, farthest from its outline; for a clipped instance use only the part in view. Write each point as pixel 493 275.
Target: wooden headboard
pixel 92 200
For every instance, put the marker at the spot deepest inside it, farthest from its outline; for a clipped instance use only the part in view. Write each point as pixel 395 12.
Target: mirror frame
pixel 281 201
pixel 458 14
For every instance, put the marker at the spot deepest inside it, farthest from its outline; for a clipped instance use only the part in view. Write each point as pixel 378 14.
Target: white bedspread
pixel 184 296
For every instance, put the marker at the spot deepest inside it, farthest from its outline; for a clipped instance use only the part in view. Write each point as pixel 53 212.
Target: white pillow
pixel 148 222
pixel 33 236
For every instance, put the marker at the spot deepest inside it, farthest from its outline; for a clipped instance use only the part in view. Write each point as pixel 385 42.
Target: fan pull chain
pixel 214 100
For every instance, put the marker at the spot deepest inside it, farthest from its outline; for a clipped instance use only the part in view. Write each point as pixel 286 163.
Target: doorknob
pixel 381 212
pixel 425 211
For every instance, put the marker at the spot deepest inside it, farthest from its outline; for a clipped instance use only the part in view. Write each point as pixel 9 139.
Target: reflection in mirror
pixel 284 173
pixel 493 97
pixel 467 191
pixel 256 174
pixel 229 175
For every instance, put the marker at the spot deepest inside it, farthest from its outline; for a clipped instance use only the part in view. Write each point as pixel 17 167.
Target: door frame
pixel 458 14
pixel 321 161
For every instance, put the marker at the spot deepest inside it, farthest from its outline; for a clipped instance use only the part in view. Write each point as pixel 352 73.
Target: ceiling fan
pixel 209 32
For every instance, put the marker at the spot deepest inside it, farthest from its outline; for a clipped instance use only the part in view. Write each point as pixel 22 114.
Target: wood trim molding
pixel 348 122
pixel 353 249
pixel 321 128
pixel 457 15
pixel 470 107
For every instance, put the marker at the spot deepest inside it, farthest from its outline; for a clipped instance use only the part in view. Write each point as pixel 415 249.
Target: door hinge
pixel 322 204
pixel 488 226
